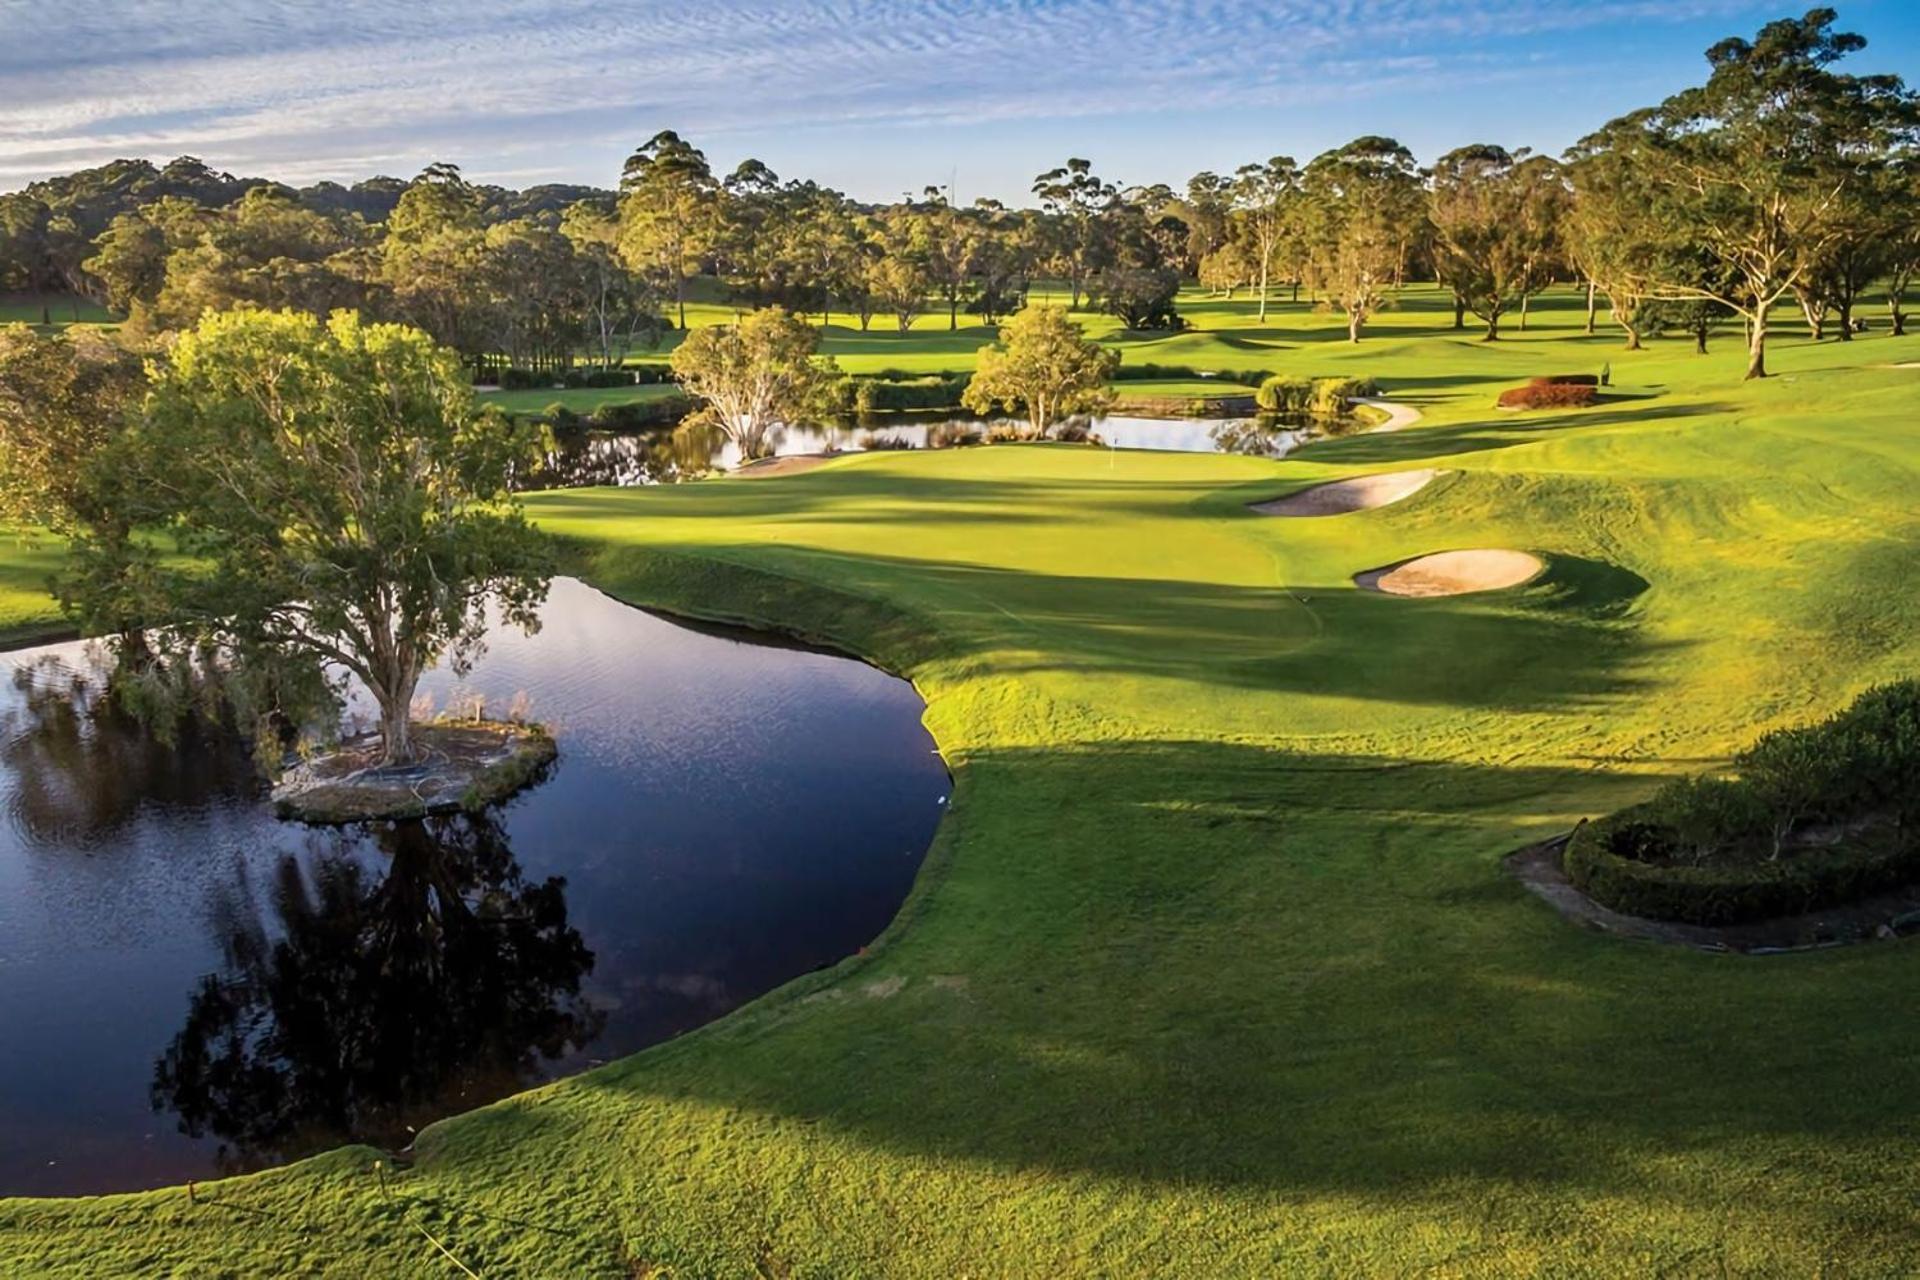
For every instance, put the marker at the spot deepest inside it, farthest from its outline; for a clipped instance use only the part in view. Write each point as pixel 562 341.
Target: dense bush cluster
pixel 639 415
pixel 1550 393
pixel 1810 817
pixel 892 395
pixel 1320 397
pixel 584 376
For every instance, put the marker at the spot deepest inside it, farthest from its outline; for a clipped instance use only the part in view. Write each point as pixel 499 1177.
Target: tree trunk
pixel 1525 298
pixel 1354 321
pixel 1593 291
pixel 396 727
pixel 1816 318
pixel 1846 320
pixel 1700 339
pixel 1296 289
pixel 680 296
pixel 1895 315
pixel 1633 336
pixel 1263 293
pixel 1757 347
pixel 1493 327
pixel 1459 312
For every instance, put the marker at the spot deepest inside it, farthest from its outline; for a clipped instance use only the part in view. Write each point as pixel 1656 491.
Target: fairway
pixel 1212 968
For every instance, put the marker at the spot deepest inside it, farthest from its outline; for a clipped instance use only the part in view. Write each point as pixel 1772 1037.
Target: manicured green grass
pixel 26 610
pixel 52 308
pixel 1212 970
pixel 1181 388
pixel 579 399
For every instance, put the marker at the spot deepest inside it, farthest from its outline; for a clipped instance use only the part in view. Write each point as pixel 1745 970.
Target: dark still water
pixel 188 985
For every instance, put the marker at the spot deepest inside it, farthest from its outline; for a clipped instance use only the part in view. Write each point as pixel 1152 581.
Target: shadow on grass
pixel 1181 963
pixel 1483 435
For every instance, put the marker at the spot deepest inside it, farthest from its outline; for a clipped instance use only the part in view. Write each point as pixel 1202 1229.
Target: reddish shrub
pixel 1549 395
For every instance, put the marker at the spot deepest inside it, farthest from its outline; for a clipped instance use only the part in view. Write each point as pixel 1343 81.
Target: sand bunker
pixel 1453 573
pixel 1362 493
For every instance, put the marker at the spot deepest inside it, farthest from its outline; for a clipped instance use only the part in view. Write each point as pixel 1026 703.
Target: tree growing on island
pixel 341 502
pixel 1043 366
pixel 758 374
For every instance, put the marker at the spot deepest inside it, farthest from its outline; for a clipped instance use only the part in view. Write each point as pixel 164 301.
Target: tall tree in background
pixel 1263 197
pixel 1755 165
pixel 669 213
pixel 1360 199
pixel 1077 202
pixel 1496 217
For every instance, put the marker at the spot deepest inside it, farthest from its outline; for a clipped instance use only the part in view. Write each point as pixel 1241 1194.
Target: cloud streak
pixel 304 88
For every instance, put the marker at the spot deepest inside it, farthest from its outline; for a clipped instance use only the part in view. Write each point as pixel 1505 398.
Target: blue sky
pixel 875 97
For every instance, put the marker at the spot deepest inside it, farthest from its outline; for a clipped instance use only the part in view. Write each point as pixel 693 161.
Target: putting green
pixel 1212 970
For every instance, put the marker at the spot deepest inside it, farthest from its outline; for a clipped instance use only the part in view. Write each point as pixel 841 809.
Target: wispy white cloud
pixel 307 88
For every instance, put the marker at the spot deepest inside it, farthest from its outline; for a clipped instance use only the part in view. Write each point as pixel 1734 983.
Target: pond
pixel 190 986
pixel 664 456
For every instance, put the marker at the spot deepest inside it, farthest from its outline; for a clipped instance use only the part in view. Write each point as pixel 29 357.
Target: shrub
pixel 1284 393
pixel 641 415
pixel 1567 380
pixel 1331 395
pixel 885 395
pixel 1721 894
pixel 1321 397
pixel 598 378
pixel 1716 850
pixel 1550 395
pixel 525 380
pixel 561 418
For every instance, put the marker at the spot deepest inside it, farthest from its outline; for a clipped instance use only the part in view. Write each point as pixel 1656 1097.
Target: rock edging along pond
pixel 157 919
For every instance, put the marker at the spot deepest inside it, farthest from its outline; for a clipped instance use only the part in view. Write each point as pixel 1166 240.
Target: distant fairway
pixel 1212 969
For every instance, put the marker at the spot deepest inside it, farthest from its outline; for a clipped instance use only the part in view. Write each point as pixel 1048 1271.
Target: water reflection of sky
pixel 725 815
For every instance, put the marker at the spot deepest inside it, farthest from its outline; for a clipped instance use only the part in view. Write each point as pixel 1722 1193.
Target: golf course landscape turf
pixel 1213 968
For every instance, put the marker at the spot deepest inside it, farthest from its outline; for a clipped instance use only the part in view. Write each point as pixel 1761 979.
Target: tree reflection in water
pixel 79 767
pixel 378 999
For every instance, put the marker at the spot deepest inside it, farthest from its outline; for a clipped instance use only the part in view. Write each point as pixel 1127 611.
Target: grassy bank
pixel 1212 970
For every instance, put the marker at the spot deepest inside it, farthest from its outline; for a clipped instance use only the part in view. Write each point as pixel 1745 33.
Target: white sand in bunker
pixel 1339 497
pixel 1453 573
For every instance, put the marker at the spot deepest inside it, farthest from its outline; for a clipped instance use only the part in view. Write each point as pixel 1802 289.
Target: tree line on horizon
pixel 1779 180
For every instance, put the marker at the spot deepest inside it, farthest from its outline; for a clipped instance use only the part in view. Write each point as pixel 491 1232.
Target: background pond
pixel 665 457
pixel 188 985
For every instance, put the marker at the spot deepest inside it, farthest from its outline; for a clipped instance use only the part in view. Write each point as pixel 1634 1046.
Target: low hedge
pixel 1551 395
pixel 1599 862
pixel 1733 847
pixel 885 395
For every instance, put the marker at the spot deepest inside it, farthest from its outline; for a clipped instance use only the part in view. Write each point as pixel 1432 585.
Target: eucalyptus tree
pixel 342 500
pixel 1264 197
pixel 1756 164
pixel 1360 200
pixel 670 209
pixel 1496 216
pixel 1077 203
pixel 755 375
pixel 1043 366
pixel 618 306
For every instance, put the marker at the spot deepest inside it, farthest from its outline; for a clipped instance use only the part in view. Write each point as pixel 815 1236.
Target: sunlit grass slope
pixel 1212 970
